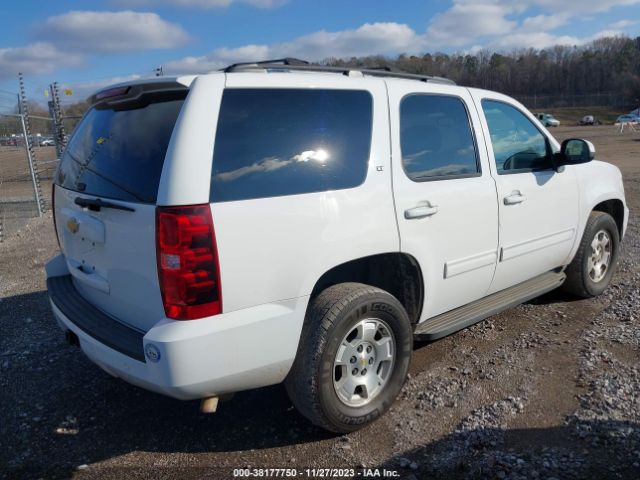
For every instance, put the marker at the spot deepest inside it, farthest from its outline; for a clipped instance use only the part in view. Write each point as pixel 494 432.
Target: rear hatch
pixel 105 199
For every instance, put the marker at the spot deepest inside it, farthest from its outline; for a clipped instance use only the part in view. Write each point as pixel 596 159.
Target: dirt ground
pixel 15 178
pixel 17 199
pixel 550 389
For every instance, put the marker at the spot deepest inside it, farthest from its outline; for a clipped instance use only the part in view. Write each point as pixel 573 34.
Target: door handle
pixel 514 198
pixel 425 209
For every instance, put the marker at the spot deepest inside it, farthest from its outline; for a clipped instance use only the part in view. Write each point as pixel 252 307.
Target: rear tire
pixel 345 322
pixel 590 272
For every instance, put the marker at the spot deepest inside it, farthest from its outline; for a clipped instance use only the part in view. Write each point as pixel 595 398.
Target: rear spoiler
pixel 127 95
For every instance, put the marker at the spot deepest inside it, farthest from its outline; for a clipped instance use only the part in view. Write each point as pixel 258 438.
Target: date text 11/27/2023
pixel 332 473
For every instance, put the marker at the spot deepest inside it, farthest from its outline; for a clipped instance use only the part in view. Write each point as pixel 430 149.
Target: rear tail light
pixel 188 267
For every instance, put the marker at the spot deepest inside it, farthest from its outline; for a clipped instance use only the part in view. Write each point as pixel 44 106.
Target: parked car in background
pixel 8 142
pixel 47 142
pixel 548 120
pixel 628 118
pixel 588 120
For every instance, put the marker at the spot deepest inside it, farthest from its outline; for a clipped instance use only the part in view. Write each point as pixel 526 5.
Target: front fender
pixel 597 182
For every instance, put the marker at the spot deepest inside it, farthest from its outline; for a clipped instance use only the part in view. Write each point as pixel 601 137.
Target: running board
pixel 474 312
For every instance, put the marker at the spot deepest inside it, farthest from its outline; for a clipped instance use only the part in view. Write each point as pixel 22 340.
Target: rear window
pixel 274 142
pixel 118 151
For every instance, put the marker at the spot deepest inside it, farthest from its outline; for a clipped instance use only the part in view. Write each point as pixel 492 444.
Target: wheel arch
pixel 615 208
pixel 396 273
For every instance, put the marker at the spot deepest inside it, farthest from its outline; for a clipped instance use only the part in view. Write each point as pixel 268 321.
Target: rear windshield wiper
pixel 96 204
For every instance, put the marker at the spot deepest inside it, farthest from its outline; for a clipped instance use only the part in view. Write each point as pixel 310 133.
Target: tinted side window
pixel 118 152
pixel 274 142
pixel 517 144
pixel 436 138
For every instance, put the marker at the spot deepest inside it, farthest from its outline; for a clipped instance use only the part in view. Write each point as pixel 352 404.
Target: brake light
pixel 188 267
pixel 112 92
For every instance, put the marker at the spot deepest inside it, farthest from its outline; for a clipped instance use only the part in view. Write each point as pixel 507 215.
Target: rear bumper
pixel 230 352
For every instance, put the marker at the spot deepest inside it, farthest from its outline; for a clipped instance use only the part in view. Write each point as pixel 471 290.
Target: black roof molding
pixel 295 64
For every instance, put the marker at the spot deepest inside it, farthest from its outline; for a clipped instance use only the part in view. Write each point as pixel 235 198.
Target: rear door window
pixel 275 142
pixel 436 138
pixel 118 151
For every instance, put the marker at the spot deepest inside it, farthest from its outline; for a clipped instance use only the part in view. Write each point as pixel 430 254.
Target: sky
pixel 88 44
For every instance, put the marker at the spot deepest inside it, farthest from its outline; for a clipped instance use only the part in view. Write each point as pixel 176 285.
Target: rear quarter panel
pixel 276 248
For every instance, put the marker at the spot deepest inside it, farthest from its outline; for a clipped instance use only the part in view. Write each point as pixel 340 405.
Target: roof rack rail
pixel 283 61
pixel 295 64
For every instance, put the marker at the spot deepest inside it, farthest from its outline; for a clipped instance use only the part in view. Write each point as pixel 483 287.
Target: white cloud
pixel 603 34
pixel 474 49
pixel 467 21
pixel 370 38
pixel 91 31
pixel 493 23
pixel 580 6
pixel 622 24
pixel 545 40
pixel 498 24
pixel 218 58
pixel 544 22
pixel 537 40
pixel 34 59
pixel 206 4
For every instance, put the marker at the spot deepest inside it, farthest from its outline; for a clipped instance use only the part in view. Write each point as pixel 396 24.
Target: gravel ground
pixel 550 389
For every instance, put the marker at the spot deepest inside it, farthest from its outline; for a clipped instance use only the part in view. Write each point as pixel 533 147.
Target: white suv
pixel 283 222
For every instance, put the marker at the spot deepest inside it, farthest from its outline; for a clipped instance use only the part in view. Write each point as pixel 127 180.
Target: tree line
pixel 608 65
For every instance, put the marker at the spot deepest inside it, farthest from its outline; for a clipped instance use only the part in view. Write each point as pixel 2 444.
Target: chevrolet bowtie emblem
pixel 73 225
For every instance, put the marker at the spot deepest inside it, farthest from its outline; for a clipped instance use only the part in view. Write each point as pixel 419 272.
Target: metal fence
pixel 26 170
pixel 30 146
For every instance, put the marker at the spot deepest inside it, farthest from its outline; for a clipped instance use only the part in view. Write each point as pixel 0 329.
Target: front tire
pixel 353 357
pixel 590 272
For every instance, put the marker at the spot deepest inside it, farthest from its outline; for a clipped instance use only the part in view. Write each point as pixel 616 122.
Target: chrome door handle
pixel 514 198
pixel 421 211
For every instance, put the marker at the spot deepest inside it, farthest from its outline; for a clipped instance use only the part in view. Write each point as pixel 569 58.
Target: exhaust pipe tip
pixel 209 404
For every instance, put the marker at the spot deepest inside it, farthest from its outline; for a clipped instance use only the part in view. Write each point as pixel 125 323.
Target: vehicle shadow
pixel 554 296
pixel 60 410
pixel 579 449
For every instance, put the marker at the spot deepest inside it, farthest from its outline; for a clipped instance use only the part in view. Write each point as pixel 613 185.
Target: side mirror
pixel 577 150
